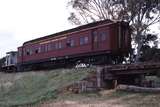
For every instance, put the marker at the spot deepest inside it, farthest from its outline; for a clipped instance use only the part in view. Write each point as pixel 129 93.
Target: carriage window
pixel 95 33
pixel 27 52
pixel 83 40
pixel 70 43
pixel 103 36
pixel 60 45
pixel 20 53
pixel 39 49
pixel 31 51
pixel 42 48
pixel 86 40
pixel 56 45
pixel 46 47
pixel 49 47
pixel 24 52
pixel 36 51
pixel 95 36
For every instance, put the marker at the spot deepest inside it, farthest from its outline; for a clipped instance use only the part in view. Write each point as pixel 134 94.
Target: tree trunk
pixel 139 42
pixel 136 88
pixel 138 52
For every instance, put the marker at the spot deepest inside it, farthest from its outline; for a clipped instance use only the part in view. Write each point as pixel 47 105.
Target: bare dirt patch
pixel 109 98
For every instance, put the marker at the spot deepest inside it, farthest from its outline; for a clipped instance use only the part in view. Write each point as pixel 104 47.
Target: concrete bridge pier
pixel 103 82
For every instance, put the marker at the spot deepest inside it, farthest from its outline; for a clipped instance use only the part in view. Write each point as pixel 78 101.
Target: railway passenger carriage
pixel 96 43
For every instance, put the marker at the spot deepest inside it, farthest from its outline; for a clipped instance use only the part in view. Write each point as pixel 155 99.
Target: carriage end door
pixel 95 40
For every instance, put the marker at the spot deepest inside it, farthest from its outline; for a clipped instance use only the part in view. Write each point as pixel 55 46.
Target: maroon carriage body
pixel 103 37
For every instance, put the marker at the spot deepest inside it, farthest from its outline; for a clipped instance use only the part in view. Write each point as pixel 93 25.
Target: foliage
pixel 141 14
pixel 150 39
pixel 2 61
pixel 151 54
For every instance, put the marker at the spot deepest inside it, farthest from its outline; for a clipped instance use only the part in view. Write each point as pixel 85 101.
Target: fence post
pixel 99 77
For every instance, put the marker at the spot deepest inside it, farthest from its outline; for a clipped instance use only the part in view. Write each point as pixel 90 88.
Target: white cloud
pixel 29 19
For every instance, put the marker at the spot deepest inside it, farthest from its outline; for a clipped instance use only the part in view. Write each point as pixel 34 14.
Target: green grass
pixel 33 87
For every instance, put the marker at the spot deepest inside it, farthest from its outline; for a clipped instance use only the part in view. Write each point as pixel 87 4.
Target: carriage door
pixel 94 40
pixel 121 37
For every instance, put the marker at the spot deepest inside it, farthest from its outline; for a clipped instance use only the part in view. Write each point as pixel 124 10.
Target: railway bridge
pixel 112 75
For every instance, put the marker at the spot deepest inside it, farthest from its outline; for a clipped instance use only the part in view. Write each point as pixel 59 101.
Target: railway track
pixel 136 68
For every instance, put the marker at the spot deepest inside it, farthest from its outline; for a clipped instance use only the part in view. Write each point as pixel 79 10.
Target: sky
pixel 23 20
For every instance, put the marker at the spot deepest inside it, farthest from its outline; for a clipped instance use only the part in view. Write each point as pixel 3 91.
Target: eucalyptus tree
pixel 140 14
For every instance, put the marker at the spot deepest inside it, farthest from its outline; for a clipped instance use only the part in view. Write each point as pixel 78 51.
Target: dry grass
pixel 110 98
pixel 38 89
pixel 28 88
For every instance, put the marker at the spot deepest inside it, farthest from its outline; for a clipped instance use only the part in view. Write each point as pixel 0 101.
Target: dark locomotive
pixel 103 42
pixel 10 62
